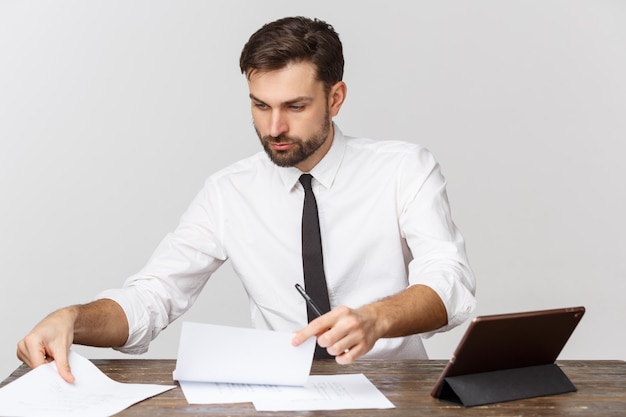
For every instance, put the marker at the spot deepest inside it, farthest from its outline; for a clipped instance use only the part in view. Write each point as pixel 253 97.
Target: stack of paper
pixel 219 364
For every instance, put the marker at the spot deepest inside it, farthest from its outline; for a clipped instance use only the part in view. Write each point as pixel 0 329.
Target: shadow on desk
pixel 407 384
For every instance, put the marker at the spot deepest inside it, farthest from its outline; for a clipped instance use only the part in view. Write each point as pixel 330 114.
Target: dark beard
pixel 301 150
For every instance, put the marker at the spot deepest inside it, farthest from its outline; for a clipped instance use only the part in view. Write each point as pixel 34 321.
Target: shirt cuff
pixel 139 334
pixel 457 298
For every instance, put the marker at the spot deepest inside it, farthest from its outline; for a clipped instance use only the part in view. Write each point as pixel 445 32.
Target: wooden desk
pixel 601 391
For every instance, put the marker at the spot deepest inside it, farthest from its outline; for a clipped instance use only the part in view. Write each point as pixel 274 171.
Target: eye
pixel 260 106
pixel 296 107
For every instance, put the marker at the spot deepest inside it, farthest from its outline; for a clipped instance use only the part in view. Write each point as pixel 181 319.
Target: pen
pixel 312 304
pixel 308 300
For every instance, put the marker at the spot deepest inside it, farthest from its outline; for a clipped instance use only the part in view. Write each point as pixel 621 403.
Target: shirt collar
pixel 326 169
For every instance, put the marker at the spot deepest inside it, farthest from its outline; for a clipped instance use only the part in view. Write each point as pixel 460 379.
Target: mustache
pixel 280 139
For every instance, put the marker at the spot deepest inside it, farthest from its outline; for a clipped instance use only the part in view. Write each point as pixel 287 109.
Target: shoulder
pixel 393 150
pixel 250 167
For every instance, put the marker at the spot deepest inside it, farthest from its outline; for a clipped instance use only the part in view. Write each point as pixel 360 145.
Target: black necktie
pixel 312 260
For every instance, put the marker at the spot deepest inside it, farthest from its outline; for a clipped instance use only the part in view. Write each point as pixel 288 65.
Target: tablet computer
pixel 510 341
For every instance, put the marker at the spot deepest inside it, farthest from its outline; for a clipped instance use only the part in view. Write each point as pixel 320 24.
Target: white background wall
pixel 112 114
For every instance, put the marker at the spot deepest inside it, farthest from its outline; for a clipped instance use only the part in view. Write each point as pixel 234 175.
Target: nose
pixel 278 124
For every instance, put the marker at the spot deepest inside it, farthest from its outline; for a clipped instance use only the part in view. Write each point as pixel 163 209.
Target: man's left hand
pixel 346 333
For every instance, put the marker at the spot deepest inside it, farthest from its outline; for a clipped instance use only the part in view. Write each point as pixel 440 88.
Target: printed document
pixel 321 392
pixel 42 392
pixel 219 364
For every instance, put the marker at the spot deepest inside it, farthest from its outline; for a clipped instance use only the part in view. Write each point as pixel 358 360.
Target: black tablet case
pixel 508 357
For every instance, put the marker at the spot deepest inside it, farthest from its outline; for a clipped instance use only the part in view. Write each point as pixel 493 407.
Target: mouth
pixel 281 146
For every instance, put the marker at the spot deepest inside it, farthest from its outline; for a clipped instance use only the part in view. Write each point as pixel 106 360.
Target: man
pixel 394 261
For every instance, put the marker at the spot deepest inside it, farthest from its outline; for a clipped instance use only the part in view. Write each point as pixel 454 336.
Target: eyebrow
pixel 288 102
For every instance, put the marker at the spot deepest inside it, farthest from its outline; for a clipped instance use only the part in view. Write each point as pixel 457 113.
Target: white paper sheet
pixel 321 392
pixel 42 392
pixel 212 353
pixel 226 393
pixel 328 392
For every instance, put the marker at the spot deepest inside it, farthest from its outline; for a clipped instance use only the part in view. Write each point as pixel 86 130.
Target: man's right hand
pixel 50 340
pixel 100 323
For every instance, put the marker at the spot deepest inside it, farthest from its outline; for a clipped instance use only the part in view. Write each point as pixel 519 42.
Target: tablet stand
pixel 505 385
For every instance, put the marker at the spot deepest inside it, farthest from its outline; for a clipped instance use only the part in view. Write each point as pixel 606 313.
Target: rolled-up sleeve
pixel 436 244
pixel 175 275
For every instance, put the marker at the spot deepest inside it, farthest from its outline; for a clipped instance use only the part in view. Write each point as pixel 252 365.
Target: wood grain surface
pixel 601 390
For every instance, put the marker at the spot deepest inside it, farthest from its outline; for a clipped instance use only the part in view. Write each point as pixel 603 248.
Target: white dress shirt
pixel 385 225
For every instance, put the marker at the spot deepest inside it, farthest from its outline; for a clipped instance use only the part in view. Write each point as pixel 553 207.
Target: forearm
pixel 417 309
pixel 100 323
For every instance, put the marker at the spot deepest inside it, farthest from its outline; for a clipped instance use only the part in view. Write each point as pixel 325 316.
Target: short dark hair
pixel 295 39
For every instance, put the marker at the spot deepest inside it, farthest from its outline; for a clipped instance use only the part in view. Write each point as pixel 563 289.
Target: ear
pixel 336 97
